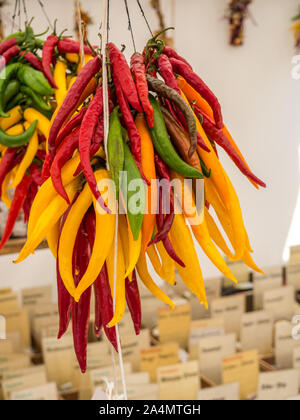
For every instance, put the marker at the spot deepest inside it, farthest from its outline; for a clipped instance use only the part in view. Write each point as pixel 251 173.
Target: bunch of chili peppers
pixel 160 128
pixel 27 104
pixel 237 13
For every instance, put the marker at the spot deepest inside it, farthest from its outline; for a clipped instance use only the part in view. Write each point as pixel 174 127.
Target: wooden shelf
pixel 14 246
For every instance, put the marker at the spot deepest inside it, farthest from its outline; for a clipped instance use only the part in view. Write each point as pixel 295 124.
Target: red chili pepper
pixel 69 127
pixel 87 131
pixel 41 155
pixel 166 71
pixel 33 60
pixel 16 207
pixel 32 192
pixel 48 51
pixel 139 71
pixel 72 47
pixel 46 167
pixel 9 54
pixel 6 45
pixel 64 153
pixel 220 138
pixel 71 101
pixel 198 84
pixel 6 163
pixel 123 76
pixel 36 175
pixel 171 53
pixel 81 310
pixel 134 302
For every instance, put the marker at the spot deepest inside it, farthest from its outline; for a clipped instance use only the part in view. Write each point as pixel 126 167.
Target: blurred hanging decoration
pixel 85 19
pixel 156 5
pixel 2 3
pixel 238 11
pixel 296 29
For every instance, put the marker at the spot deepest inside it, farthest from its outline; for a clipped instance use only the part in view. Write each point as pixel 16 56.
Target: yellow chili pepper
pixel 87 58
pixel 53 238
pixel 31 115
pixel 248 260
pixel 184 247
pixel 15 117
pixel 61 82
pixel 149 283
pixel 48 218
pixel 167 263
pixel 31 150
pixel 68 237
pixel 132 248
pixel 73 57
pixel 155 261
pixel 15 130
pixel 105 228
pixel 47 192
pixel 216 235
pixel 4 193
pixel 71 82
pixel 120 303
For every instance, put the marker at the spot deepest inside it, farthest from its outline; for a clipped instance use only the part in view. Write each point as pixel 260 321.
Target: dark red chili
pixel 139 71
pixel 6 163
pixel 48 51
pixel 9 54
pixel 16 207
pixel 69 127
pixel 32 192
pixel 134 302
pixel 64 153
pixel 33 60
pixel 166 71
pixel 123 76
pixel 72 47
pixel 6 45
pixel 198 84
pixel 171 53
pixel 36 175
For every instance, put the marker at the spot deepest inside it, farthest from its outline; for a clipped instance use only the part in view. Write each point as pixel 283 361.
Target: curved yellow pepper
pixel 105 229
pixel 4 193
pixel 167 263
pixel 61 82
pixel 14 118
pixel 53 238
pixel 149 283
pixel 155 261
pixel 31 150
pixel 131 248
pixel 43 125
pixel 15 130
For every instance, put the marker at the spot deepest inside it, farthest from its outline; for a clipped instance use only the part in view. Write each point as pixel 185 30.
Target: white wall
pixel 261 104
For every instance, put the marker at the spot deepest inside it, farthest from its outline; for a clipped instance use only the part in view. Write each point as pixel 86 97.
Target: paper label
pixel 43 316
pixel 261 286
pixel 231 310
pixel 229 392
pixel 211 352
pixel 6 347
pixel 36 296
pixel 18 362
pixel 285 344
pixel 213 289
pixel 293 275
pixel 257 332
pixel 179 382
pixel 19 321
pixel 278 385
pixel 47 392
pixel 294 254
pixel 9 303
pixel 132 346
pixel 240 270
pixel 149 392
pixel 155 357
pixel 204 329
pixel 174 325
pixel 244 369
pixel 18 384
pixel 280 303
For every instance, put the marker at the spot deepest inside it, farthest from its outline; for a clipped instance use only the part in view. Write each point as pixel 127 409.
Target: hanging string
pixel 14 15
pixel 80 30
pixel 25 11
pixel 19 13
pixel 130 25
pixel 104 36
pixel 144 16
pixel 45 13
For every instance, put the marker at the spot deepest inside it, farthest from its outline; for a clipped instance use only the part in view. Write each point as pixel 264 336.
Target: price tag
pixel 149 392
pixel 278 385
pixel 213 287
pixel 132 346
pixel 294 254
pixel 204 329
pixel 17 384
pixel 257 332
pixel 211 351
pixel 229 392
pixel 17 362
pixel 261 286
pixel 280 303
pixel 36 296
pixel 42 317
pixel 155 357
pixel 46 392
pixel 19 321
pixel 285 344
pixel 244 369
pixel 6 347
pixel 179 382
pixel 231 310
pixel 8 303
pixel 174 325
pixel 240 270
pixel 293 275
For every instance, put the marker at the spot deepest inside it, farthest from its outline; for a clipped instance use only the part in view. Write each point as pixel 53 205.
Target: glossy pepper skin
pixel 5 77
pixel 20 140
pixel 16 207
pixel 32 191
pixel 138 70
pixel 134 302
pixel 48 51
pixel 37 99
pixel 72 47
pixel 70 104
pixel 8 55
pixel 35 80
pixel 33 60
pixel 11 91
pixel 171 53
pixel 198 84
pixel 166 71
pixel 115 149
pixel 164 147
pixel 69 127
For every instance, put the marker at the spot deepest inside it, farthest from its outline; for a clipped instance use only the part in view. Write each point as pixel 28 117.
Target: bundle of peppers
pixel 30 89
pixel 161 128
pixel 237 13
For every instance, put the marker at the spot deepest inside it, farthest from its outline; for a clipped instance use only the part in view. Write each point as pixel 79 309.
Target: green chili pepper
pixel 5 77
pixel 115 149
pixel 37 99
pixel 20 140
pixel 14 102
pixel 20 37
pixel 205 170
pixel 164 147
pixel 135 215
pixel 35 80
pixel 11 91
